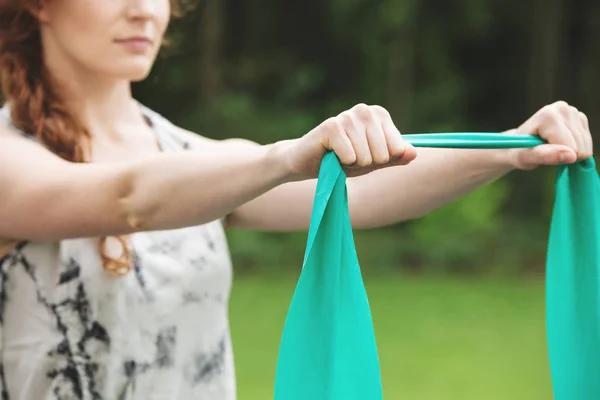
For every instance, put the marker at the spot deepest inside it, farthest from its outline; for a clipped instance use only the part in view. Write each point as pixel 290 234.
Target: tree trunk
pixel 211 37
pixel 547 34
pixel 401 60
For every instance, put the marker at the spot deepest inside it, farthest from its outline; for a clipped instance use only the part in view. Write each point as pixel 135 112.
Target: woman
pixel 114 265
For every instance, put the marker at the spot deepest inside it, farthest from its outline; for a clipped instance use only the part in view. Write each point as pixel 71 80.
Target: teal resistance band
pixel 474 140
pixel 328 349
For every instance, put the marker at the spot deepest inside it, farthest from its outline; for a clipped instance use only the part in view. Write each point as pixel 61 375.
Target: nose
pixel 142 9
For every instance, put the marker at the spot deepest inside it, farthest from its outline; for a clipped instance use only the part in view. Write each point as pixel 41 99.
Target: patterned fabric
pixel 69 331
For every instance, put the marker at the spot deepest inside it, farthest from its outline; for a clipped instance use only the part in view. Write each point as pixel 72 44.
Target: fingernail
pixel 566 157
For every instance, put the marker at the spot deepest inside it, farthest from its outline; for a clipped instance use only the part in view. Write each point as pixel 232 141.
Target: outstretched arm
pixel 435 178
pixel 43 197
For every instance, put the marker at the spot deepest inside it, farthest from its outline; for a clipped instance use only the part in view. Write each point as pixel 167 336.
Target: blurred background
pixel 457 296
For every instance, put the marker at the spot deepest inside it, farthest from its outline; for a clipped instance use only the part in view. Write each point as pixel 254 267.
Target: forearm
pixel 437 177
pixel 189 189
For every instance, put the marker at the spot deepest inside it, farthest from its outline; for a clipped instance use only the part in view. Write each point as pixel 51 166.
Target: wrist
pixel 511 159
pixel 512 156
pixel 499 161
pixel 277 156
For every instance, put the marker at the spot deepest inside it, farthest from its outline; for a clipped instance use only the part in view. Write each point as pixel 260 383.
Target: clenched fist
pixel 567 132
pixel 364 138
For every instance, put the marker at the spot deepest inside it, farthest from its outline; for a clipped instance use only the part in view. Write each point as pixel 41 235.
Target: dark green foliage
pixel 268 70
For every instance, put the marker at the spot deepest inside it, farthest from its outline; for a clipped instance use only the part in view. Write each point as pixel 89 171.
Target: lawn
pixel 438 338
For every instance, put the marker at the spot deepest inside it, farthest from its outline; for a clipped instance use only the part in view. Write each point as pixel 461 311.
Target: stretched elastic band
pixel 473 140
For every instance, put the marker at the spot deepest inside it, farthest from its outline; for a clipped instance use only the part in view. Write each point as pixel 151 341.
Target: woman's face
pixel 120 38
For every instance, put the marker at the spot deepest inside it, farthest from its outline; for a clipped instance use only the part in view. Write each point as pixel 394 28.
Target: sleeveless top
pixel 70 331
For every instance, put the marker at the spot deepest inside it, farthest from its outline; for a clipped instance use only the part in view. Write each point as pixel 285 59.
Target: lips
pixel 136 43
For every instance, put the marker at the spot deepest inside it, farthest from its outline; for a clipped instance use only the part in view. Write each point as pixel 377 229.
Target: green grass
pixel 438 338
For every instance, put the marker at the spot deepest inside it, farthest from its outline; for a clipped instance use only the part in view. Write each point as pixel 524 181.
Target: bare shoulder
pixel 7 130
pixel 11 139
pixel 24 164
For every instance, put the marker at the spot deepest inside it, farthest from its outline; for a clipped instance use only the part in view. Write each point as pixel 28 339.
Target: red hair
pixel 36 105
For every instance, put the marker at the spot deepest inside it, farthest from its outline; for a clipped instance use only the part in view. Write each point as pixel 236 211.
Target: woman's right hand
pixel 364 138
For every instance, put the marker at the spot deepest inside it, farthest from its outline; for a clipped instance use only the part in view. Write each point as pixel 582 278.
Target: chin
pixel 139 75
pixel 131 67
pixel 134 72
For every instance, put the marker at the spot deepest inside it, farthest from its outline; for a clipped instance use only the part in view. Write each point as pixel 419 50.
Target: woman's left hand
pixel 565 129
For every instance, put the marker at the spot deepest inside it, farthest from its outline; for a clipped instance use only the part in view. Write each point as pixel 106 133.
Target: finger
pixel 396 146
pixel 356 131
pixel 548 123
pixel 409 156
pixel 574 125
pixel 560 134
pixel 339 142
pixel 562 131
pixel 584 121
pixel 377 141
pixel 410 153
pixel 546 154
pixel 401 152
pixel 587 135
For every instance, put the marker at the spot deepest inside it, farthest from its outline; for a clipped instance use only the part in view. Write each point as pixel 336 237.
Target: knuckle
pixel 561 106
pixel 548 108
pixel 330 124
pixel 360 106
pixel 364 161
pixel 333 128
pixel 362 112
pixel 339 126
pixel 381 159
pixel 346 121
pixel 379 110
pixel 398 151
pixel 583 118
pixel 551 115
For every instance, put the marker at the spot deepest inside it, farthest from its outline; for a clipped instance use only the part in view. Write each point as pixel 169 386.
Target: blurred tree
pixel 268 70
pixel 210 35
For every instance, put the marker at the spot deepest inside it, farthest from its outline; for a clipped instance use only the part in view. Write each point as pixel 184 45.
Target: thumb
pixel 545 154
